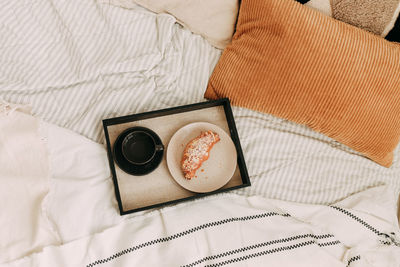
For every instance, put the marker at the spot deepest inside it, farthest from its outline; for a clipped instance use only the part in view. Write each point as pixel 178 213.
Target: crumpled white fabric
pixel 241 231
pixel 82 209
pixel 24 184
pixel 81 199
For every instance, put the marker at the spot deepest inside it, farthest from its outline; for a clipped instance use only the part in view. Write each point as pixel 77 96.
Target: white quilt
pixel 242 231
pixel 78 62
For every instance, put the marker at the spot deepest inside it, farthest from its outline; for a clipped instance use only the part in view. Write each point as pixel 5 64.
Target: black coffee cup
pixel 139 146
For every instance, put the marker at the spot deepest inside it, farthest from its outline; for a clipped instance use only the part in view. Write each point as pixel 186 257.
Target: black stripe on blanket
pixel 354 217
pixel 264 244
pixel 270 251
pixel 353 259
pixel 394 34
pixel 385 239
pixel 184 233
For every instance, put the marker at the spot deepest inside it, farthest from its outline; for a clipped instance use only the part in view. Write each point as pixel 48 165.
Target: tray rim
pixel 225 102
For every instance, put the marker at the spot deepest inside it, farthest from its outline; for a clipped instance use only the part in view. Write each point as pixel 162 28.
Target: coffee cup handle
pixel 159 147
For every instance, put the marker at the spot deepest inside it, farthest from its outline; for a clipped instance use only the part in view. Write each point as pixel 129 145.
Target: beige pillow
pixel 214 20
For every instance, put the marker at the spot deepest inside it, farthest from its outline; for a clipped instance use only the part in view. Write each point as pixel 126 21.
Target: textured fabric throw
pixel 298 64
pixel 379 17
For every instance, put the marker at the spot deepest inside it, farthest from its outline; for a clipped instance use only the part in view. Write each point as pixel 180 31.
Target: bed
pixel 66 66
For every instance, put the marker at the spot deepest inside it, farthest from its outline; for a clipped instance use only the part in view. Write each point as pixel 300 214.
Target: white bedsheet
pixel 83 215
pixel 242 231
pixel 78 62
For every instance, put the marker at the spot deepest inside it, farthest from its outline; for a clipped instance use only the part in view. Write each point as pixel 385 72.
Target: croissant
pixel 196 152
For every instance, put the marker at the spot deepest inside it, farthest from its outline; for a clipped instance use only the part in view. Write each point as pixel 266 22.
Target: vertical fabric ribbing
pixel 298 64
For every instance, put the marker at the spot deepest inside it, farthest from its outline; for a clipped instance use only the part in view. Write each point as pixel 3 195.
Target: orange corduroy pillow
pixel 295 63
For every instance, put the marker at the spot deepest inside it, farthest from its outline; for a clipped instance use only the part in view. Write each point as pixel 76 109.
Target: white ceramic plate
pixel 216 171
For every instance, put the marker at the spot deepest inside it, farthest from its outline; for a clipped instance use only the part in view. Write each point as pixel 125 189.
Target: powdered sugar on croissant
pixel 196 152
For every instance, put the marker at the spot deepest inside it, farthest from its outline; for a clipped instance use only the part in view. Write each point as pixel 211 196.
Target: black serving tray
pixel 156 189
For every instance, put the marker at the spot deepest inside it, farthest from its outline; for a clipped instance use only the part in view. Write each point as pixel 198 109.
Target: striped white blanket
pixel 239 231
pixel 78 62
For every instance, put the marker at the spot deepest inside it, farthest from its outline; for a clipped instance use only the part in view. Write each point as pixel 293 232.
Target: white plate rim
pixel 182 181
